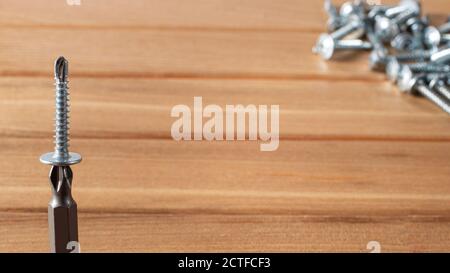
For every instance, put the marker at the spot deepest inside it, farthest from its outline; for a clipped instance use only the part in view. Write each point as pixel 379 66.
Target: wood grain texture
pixel 237 177
pixel 228 233
pixel 348 110
pixel 173 54
pixel 307 196
pixel 357 160
pixel 203 15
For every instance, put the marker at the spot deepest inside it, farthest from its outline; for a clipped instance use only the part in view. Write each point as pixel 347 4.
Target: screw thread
pixel 418 55
pixel 444 91
pixel 62 110
pixel 429 94
pixel 428 68
pixel 62 119
pixel 394 11
pixel 404 16
pixel 346 30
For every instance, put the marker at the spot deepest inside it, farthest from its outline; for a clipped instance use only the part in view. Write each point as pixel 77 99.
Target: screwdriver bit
pixel 62 208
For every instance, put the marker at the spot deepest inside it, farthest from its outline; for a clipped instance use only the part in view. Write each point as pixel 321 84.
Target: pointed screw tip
pixel 61 68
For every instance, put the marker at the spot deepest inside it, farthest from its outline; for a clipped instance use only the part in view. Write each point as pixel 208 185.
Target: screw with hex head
pixel 62 208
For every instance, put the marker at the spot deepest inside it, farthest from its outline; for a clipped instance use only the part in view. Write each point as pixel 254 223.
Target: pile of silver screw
pixel 414 54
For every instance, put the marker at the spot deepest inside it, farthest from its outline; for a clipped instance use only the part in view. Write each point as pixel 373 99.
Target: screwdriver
pixel 62 208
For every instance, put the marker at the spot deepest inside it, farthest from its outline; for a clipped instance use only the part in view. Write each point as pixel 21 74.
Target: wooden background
pixel 357 162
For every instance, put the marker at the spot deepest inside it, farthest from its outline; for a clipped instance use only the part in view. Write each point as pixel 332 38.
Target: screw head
pixel 385 28
pixel 407 80
pixel 325 46
pixel 346 9
pixel 55 160
pixel 349 8
pixel 393 69
pixel 432 36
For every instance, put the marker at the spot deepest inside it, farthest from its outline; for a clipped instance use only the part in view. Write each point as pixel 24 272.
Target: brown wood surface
pixel 357 161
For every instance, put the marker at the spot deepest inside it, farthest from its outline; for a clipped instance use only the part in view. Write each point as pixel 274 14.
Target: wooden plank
pixel 168 52
pixel 180 54
pixel 331 178
pixel 378 172
pixel 191 196
pixel 206 14
pixel 286 15
pixel 102 232
pixel 140 108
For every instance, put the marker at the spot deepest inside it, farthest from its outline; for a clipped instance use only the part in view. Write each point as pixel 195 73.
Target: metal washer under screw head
pixel 49 159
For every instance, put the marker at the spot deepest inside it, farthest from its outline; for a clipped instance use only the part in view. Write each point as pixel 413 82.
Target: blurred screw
pixel 445 28
pixel 327 45
pixel 349 9
pixel 334 20
pixel 411 83
pixel 387 28
pixel 434 36
pixel 417 27
pixel 438 83
pixel 393 68
pixel 379 54
pixel 403 6
pixel 441 57
pixel 328 42
pixel 403 41
pixel 416 55
pixel 353 25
